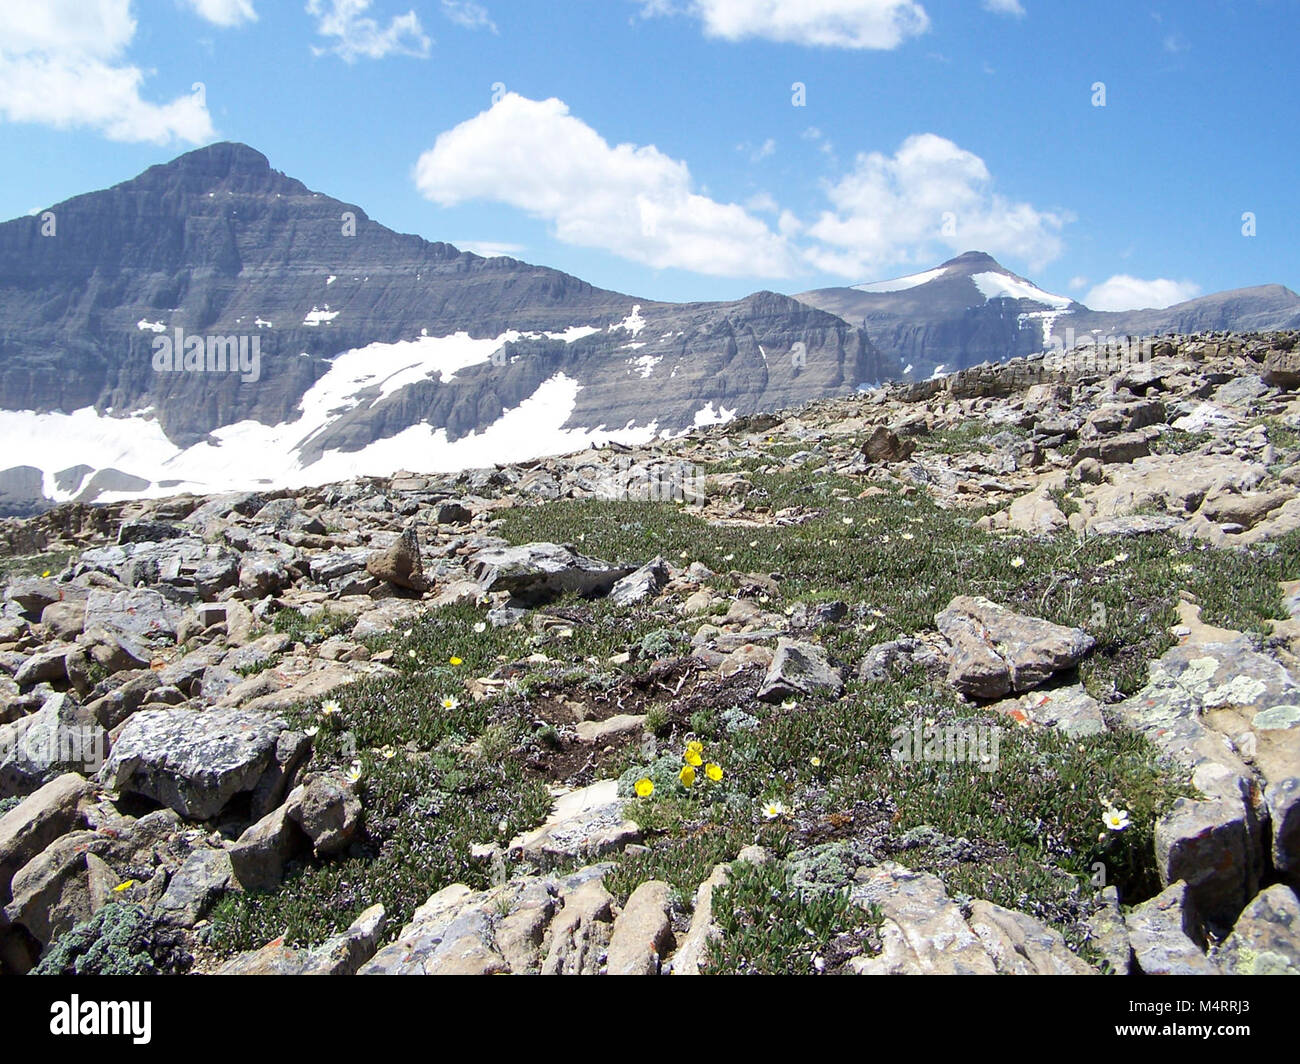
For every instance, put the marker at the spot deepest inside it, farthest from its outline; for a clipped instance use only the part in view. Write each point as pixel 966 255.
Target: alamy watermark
pixel 975 744
pixel 240 355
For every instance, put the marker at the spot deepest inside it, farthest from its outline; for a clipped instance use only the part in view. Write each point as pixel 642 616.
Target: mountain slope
pixel 376 348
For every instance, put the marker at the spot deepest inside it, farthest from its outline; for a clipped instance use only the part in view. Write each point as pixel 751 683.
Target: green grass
pixel 52 563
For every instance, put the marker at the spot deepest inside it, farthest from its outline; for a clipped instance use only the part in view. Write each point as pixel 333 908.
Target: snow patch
pixel 633 323
pixel 150 326
pixel 1000 286
pixel 645 365
pixel 708 416
pixel 902 284
pixel 319 316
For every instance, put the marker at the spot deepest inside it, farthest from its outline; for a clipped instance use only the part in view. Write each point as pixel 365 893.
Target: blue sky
pixel 655 146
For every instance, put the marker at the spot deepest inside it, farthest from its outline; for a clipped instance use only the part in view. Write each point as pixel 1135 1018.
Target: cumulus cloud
pixel 62 64
pixel 858 24
pixel 224 12
pixel 632 200
pixel 490 249
pixel 1005 7
pixel 358 36
pixel 1123 292
pixel 928 197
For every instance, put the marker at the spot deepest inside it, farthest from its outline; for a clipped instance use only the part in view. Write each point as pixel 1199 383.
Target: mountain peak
pixel 975 262
pixel 225 166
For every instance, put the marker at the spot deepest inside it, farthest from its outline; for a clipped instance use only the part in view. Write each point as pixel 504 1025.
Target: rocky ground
pixel 994 673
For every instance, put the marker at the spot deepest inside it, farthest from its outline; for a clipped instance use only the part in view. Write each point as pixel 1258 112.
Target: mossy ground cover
pixel 441 771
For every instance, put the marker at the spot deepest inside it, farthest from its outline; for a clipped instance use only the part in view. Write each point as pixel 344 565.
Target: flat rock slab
pixel 195 761
pixel 541 572
pixel 583 823
pixel 996 652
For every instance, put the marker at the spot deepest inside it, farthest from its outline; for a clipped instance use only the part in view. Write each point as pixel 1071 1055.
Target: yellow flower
pixel 816 762
pixel 124 886
pixel 644 788
pixel 687 776
pixel 714 772
pixel 45 574
pixel 696 746
pixel 693 759
pixel 457 662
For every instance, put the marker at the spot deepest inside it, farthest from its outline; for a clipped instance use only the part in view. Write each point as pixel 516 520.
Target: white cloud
pixel 632 200
pixel 358 36
pixel 225 12
pixel 1123 292
pixel 877 24
pixel 490 249
pixel 930 195
pixel 1078 284
pixel 470 15
pixel 1005 7
pixel 62 65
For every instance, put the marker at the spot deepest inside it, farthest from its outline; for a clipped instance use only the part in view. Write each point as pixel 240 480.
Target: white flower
pixel 1017 562
pixel 330 708
pixel 774 811
pixel 354 773
pixel 312 732
pixel 1116 819
pixel 481 627
pixel 450 703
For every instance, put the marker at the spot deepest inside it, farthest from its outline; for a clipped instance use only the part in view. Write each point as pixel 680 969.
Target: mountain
pixel 364 350
pixel 972 310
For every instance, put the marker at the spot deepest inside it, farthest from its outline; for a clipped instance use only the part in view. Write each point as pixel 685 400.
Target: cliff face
pixel 219 245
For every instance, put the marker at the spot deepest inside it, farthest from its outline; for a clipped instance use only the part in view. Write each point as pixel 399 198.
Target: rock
pixel 1036 514
pixel 33 594
pixel 47 666
pixel 262 574
pixel 581 931
pixel 54 810
pixel 583 823
pixel 1166 935
pixel 883 446
pixel 799 669
pixel 693 949
pixel 643 931
pixel 328 811
pixel 459 593
pixel 643 584
pixel 64 620
pixel 1266 938
pixel 923 932
pixel 1021 945
pixel 50 894
pixel 113 652
pixel 1210 846
pixel 698 603
pixel 141 616
pixel 453 513
pixel 1282 369
pixel 148 532
pixel 1283 800
pixel 1109 935
pixel 258 856
pixel 126 693
pixel 195 762
pixel 602 731
pixel 198 884
pixel 1071 710
pixel 541 572
pixel 400 563
pixel 60 737
pixel 996 651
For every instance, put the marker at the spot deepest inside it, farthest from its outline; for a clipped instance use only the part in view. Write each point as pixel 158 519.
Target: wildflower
pixel 687 776
pixel 481 627
pixel 45 574
pixel 354 773
pixel 388 753
pixel 124 886
pixel 908 536
pixel 714 772
pixel 503 826
pixel 330 708
pixel 815 761
pixel 1017 562
pixel 644 788
pixel 450 703
pixel 693 759
pixel 753 543
pixel 729 558
pixel 312 732
pixel 456 663
pixel 695 746
pixel 774 811
pixel 411 652
pixel 1116 819
pixel 848 520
